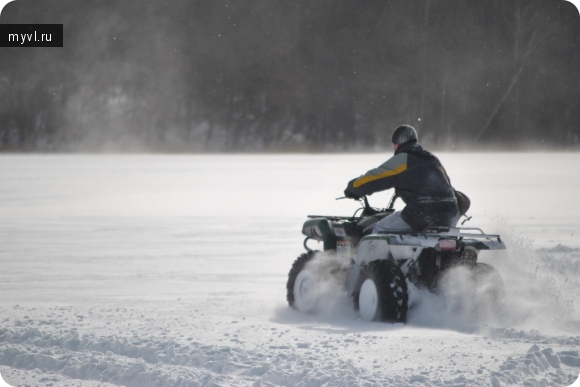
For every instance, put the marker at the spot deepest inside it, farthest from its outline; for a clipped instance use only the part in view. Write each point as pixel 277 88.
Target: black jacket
pixel 419 179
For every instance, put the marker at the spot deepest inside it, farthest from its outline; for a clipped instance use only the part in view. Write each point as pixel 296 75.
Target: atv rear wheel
pixel 381 293
pixel 490 286
pixel 474 293
pixel 302 286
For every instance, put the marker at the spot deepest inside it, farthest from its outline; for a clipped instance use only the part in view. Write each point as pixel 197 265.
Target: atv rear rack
pixel 431 236
pixel 446 232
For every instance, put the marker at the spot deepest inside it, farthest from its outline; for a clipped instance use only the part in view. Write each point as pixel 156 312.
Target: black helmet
pixel 404 134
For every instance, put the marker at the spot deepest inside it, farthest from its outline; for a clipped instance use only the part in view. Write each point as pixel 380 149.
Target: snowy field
pixel 152 270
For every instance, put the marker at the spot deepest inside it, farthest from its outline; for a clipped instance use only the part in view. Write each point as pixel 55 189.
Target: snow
pixel 170 270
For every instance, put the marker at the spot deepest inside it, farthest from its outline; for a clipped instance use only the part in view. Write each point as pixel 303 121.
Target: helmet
pixel 404 134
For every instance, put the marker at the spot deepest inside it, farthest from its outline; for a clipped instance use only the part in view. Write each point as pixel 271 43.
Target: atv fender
pixel 319 229
pixel 377 247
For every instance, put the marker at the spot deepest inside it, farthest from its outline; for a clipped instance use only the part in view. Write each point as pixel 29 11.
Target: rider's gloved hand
pixel 350 195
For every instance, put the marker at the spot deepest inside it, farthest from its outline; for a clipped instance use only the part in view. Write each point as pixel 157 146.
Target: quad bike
pixel 374 269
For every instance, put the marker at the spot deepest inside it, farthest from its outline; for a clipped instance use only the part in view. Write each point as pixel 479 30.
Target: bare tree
pixel 527 27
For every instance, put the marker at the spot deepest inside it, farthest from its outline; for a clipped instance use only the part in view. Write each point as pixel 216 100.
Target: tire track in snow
pixel 144 362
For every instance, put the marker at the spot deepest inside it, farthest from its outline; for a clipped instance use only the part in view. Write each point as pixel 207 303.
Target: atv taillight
pixel 447 244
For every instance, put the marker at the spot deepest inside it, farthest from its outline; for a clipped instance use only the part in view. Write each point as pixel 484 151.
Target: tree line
pixel 292 75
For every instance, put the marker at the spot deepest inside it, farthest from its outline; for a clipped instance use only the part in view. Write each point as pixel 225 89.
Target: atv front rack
pixel 333 218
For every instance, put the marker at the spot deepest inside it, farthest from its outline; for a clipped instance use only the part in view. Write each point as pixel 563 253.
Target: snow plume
pixel 540 288
pixel 332 306
pixel 331 273
pixel 465 300
pixel 540 284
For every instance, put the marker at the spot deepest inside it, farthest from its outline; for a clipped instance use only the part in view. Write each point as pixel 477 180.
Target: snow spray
pixel 540 284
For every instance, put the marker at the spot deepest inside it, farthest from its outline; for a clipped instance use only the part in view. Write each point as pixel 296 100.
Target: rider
pixel 418 178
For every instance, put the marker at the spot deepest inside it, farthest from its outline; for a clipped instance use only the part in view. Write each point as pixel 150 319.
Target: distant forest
pixel 292 75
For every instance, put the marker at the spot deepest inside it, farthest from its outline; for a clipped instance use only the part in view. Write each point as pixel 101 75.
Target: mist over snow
pixel 156 270
pixel 301 75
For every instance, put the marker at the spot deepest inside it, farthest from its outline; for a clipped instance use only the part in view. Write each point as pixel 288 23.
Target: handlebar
pixel 367 209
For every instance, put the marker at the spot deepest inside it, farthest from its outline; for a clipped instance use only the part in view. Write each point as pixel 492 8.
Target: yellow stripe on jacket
pixel 368 178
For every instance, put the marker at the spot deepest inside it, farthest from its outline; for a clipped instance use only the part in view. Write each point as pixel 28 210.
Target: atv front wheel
pixel 381 293
pixel 302 286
